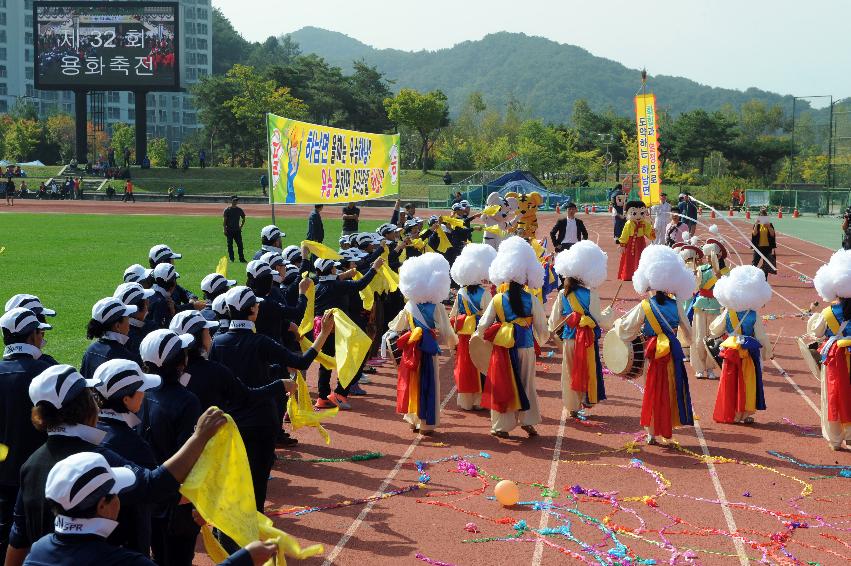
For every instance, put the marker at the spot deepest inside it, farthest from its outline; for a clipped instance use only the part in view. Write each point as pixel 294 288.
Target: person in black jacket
pixel 168 418
pixel 83 491
pixel 133 294
pixel 161 305
pixel 212 286
pixel 23 335
pixel 249 356
pixel 41 312
pixel 120 388
pixel 331 292
pixel 568 230
pixel 315 230
pixel 183 299
pixel 66 410
pixel 109 328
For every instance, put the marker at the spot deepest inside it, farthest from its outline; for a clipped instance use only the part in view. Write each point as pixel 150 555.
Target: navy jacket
pixel 275 315
pixel 93 550
pixel 168 414
pixel 315 230
pixel 337 294
pixel 182 298
pixel 32 518
pixel 216 386
pixel 134 521
pixel 16 429
pixel 102 350
pixel 159 312
pixel 136 335
pixel 248 356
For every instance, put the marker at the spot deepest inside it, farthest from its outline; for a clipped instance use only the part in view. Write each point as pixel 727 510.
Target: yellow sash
pixel 505 335
pixel 469 325
pixel 710 283
pixel 496 231
pixel 830 318
pixel 491 210
pixel 663 344
pixel 734 320
pixel 301 412
pixel 577 307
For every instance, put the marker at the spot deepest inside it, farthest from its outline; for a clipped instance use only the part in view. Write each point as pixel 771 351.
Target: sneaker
pixel 370 370
pixel 341 402
pixel 356 390
pixel 711 375
pixel 365 379
pixel 286 441
pixel 530 430
pixel 699 375
pixel 323 404
pixel 500 434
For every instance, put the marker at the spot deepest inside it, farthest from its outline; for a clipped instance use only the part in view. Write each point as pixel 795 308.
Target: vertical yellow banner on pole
pixel 649 168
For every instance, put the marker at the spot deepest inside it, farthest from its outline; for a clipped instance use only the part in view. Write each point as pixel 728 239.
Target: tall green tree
pixel 22 138
pixel 61 133
pixel 123 137
pixel 367 90
pixel 697 133
pixel 229 47
pixel 426 113
pixel 321 86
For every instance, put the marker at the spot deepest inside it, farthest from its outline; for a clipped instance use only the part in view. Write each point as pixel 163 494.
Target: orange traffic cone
pixel 700 211
pixel 711 213
pixel 730 212
pixel 796 214
pixel 748 214
pixel 780 212
pixel 587 209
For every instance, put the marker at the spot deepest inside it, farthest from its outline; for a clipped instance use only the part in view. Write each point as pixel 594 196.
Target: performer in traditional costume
pixel 662 274
pixel 833 283
pixel 470 272
pixel 577 319
pixel 740 393
pixel 633 237
pixel 424 280
pixel 764 242
pixel 705 307
pixel 513 322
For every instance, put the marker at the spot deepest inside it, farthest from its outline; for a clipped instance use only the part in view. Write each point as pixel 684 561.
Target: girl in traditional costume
pixel 513 321
pixel 662 274
pixel 470 271
pixel 740 393
pixel 576 318
pixel 424 281
pixel 833 283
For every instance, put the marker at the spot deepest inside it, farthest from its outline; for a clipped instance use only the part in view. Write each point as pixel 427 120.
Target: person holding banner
pixel 663 275
pixel 422 324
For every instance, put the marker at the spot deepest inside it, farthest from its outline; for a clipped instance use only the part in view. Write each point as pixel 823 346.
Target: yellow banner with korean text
pixel 311 164
pixel 649 167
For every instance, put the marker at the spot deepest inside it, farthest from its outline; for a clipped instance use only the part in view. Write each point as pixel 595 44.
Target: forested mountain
pixel 545 77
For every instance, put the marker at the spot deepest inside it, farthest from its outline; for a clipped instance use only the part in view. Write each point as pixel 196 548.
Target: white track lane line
pixel 545 516
pixel 722 497
pixel 794 385
pixel 341 544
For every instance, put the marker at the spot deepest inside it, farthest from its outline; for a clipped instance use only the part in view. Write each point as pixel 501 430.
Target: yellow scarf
pixel 306 324
pixel 367 294
pixel 320 250
pixel 301 412
pixel 351 345
pixel 4 451
pixel 222 266
pixel 505 335
pixel 220 488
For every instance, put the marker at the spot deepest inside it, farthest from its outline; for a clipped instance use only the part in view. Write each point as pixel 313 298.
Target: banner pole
pixel 269 168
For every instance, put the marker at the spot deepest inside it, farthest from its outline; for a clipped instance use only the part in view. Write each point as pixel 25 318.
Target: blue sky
pixel 791 47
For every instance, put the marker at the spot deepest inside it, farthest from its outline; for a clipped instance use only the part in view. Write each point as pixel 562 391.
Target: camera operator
pixel 846 229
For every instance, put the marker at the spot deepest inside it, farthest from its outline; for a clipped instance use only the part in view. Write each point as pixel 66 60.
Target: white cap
pixel 162 252
pixel 387 228
pixel 274 259
pixel 80 480
pixel 241 297
pixel 258 268
pixel 29 302
pixel 21 321
pixel 216 283
pixel 58 384
pixel 190 322
pixel 131 293
pixel 323 266
pixel 110 309
pixel 364 238
pixel 353 254
pixel 136 273
pixel 166 272
pixel 117 378
pixel 271 233
pixel 290 269
pixel 220 306
pixel 290 253
pixel 161 345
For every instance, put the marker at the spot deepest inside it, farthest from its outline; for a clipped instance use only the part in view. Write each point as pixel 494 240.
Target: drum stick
pixel 779 336
pixel 809 309
pixel 618 292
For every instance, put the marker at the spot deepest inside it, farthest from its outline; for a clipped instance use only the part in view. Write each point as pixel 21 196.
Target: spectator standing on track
pixel 661 218
pixel 688 213
pixel 351 219
pixel 568 230
pixel 315 230
pixel 128 192
pixel 764 239
pixel 10 192
pixel 232 223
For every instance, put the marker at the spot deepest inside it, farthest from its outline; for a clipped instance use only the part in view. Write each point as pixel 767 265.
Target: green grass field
pixel 70 261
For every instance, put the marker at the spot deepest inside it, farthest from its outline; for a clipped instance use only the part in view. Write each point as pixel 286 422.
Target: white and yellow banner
pixel 649 168
pixel 310 164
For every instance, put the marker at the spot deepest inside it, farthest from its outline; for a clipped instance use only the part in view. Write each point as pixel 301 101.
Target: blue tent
pixel 516 181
